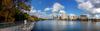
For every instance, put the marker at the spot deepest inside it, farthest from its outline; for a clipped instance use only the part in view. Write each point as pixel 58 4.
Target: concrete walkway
pixel 23 27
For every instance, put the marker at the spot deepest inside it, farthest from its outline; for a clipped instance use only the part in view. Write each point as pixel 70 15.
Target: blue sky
pixel 71 6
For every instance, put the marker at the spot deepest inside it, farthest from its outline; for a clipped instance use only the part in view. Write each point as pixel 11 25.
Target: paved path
pixel 23 27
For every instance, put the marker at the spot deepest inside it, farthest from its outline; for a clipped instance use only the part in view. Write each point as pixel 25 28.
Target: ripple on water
pixel 59 25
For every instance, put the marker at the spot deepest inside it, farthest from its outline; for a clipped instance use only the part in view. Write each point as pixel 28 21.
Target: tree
pixel 9 11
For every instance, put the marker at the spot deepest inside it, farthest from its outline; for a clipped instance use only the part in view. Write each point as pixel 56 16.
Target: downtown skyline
pixel 45 8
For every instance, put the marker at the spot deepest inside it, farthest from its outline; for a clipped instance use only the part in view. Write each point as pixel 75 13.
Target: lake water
pixel 63 25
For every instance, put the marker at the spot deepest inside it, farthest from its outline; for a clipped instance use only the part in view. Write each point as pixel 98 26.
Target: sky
pixel 70 5
pixel 77 7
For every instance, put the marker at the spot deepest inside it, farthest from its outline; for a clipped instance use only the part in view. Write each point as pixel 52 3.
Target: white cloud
pixel 96 10
pixel 80 1
pixel 57 7
pixel 62 11
pixel 72 14
pixel 32 11
pixel 92 6
pixel 47 9
pixel 55 10
pixel 95 1
pixel 85 5
pixel 38 13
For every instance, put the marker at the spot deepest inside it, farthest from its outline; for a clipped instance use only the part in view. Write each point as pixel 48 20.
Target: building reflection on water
pixel 62 25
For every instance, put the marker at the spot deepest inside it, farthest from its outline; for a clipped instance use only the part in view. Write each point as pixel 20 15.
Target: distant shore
pixel 95 20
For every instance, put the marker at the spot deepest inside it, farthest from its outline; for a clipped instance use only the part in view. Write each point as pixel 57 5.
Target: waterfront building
pixel 96 17
pixel 63 16
pixel 83 17
pixel 73 17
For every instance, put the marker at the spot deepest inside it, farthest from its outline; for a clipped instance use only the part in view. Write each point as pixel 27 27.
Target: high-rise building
pixel 64 16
